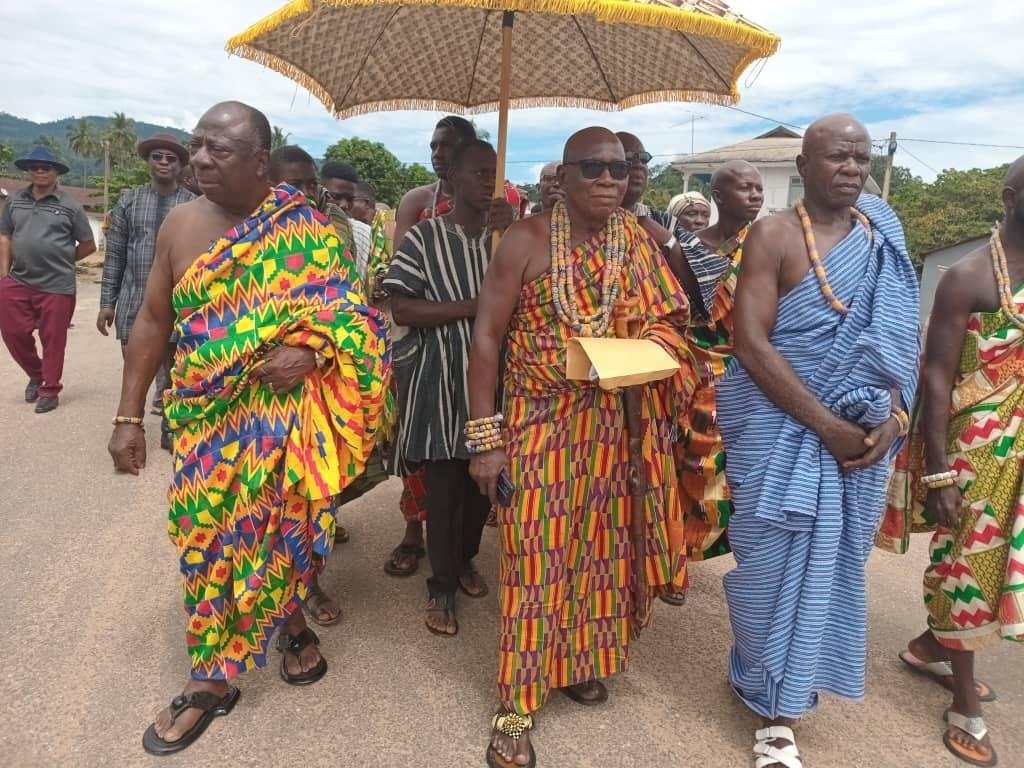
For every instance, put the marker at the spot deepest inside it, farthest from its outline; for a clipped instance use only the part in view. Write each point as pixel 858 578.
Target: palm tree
pixel 122 137
pixel 83 138
pixel 279 138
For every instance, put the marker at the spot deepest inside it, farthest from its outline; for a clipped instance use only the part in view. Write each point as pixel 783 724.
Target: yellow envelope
pixel 615 363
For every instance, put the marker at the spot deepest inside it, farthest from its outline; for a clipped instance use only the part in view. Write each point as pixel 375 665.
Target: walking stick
pixel 628 322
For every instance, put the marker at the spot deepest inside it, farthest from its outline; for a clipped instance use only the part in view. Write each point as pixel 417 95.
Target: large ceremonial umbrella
pixel 359 56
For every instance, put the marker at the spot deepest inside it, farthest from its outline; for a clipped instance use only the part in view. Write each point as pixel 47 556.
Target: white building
pixel 773 154
pixel 937 262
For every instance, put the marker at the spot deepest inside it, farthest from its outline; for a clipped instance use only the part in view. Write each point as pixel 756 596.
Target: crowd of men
pixel 306 340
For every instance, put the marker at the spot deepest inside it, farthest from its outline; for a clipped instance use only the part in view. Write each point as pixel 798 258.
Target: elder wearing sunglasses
pixel 562 444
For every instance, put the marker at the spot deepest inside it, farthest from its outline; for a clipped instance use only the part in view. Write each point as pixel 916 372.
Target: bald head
pixel 834 162
pixel 1015 175
pixel 827 129
pixel 548 187
pixel 1013 195
pixel 235 112
pixel 727 173
pixel 593 175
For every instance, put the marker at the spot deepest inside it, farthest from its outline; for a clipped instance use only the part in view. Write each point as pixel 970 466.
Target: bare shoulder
pixel 418 195
pixel 970 284
pixel 524 247
pixel 770 237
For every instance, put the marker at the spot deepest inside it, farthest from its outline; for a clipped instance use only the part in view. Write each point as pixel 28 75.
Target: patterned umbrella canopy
pixel 359 56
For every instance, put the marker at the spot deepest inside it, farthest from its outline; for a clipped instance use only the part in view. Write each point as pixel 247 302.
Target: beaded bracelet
pixel 939 479
pixel 135 420
pixel 476 446
pixel 477 426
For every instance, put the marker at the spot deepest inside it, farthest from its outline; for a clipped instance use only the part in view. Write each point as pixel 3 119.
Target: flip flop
pixel 211 705
pixel 470 570
pixel 676 598
pixel 410 550
pixel 316 598
pixel 602 696
pixel 976 729
pixel 295 644
pixel 942 673
pixel 444 603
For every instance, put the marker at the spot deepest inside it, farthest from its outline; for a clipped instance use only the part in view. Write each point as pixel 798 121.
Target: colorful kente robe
pixel 254 471
pixel 700 457
pixel 565 572
pixel 974 585
pixel 801 530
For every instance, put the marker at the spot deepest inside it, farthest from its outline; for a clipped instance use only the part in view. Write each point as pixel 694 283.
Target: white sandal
pixel 975 728
pixel 766 755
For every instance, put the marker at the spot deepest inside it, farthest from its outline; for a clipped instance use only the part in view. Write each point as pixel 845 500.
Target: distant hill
pixel 22 135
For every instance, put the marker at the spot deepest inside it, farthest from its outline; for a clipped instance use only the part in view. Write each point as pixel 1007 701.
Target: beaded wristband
pixel 136 420
pixel 474 447
pixel 939 479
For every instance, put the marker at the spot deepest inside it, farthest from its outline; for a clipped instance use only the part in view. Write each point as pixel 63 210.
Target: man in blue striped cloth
pixel 811 409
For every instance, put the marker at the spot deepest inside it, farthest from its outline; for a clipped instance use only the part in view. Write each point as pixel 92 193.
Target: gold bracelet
pixel 903 420
pixel 935 485
pixel 134 420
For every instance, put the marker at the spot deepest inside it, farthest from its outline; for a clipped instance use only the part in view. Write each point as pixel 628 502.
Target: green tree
pixel 666 182
pixel 6 157
pixel 122 138
pixel 84 140
pixel 279 138
pixel 901 176
pixel 377 165
pixel 50 142
pixel 956 206
pixel 135 174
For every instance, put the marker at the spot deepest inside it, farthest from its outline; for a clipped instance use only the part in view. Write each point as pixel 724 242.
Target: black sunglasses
pixel 594 169
pixel 162 157
pixel 33 167
pixel 639 157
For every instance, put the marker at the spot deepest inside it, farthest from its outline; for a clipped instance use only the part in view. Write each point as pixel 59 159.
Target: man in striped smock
pixel 811 409
pixel 434 280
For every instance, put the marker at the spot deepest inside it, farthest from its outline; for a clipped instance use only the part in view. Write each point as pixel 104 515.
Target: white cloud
pixel 925 68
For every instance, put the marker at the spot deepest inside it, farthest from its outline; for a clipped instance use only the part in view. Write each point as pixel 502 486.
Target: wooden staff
pixel 628 323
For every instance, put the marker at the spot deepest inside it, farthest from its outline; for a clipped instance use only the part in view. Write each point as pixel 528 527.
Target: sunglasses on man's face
pixel 594 169
pixel 639 157
pixel 161 157
pixel 40 168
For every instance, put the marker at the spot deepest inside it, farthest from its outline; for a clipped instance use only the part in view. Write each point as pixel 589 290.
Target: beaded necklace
pixel 563 293
pixel 812 254
pixel 1002 273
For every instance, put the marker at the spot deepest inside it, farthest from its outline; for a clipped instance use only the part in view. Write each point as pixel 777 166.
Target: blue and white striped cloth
pixel 802 531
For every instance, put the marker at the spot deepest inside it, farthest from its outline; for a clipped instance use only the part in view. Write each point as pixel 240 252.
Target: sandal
pixel 412 551
pixel 470 573
pixel 444 603
pixel 767 755
pixel 295 644
pixel 341 535
pixel 673 598
pixel 976 729
pixel 514 726
pixel 211 705
pixel 942 673
pixel 573 692
pixel 316 601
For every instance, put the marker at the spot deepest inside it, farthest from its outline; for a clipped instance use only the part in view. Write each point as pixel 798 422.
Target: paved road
pixel 93 637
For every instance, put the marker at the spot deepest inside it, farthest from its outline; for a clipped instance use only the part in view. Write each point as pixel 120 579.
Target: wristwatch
pixel 669 244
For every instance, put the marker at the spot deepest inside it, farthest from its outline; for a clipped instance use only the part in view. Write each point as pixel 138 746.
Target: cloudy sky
pixel 943 70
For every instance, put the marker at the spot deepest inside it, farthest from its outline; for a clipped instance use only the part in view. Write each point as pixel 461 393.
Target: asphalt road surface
pixel 93 642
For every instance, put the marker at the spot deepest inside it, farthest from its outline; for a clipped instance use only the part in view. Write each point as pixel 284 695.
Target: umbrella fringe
pixel 760 42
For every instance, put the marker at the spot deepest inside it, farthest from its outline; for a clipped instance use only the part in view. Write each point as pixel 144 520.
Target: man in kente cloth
pixel 278 383
pixel 434 281
pixel 738 192
pixel 960 473
pixel 566 580
pixel 420 204
pixel 810 411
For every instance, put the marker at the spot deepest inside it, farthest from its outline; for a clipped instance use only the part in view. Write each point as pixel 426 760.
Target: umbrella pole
pixel 507 20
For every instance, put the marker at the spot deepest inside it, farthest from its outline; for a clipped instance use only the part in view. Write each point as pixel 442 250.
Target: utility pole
pixel 887 181
pixel 106 177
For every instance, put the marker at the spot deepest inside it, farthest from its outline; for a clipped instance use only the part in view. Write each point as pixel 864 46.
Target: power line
pixel 769 119
pixel 922 162
pixel 964 143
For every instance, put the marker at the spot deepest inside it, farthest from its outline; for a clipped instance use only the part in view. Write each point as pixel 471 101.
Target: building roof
pixel 88 198
pixel 779 145
pixel 964 241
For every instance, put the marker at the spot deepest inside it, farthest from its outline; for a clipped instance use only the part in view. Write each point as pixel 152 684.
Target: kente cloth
pixel 974 584
pixel 565 573
pixel 700 456
pixel 255 471
pixel 438 261
pixel 801 531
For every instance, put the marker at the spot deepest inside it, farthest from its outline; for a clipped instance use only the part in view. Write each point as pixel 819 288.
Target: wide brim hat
pixel 163 141
pixel 41 155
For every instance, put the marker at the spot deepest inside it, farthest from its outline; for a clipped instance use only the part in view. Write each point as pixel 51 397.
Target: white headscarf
pixel 680 203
